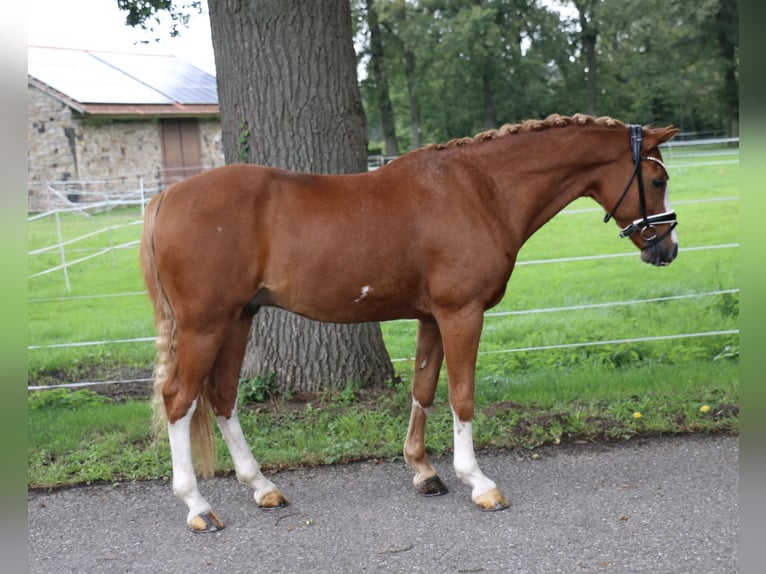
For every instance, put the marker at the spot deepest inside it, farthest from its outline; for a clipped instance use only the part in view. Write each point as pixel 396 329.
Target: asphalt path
pixel 654 506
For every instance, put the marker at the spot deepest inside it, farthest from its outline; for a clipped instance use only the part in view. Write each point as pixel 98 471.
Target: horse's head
pixel 642 209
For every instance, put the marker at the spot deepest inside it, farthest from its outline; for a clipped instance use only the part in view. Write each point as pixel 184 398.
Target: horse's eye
pixel 658 183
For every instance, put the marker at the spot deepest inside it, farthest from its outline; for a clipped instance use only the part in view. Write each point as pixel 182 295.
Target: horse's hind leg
pixel 223 395
pixel 428 360
pixel 181 394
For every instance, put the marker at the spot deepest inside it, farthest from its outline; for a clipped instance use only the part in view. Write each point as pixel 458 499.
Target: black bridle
pixel 646 223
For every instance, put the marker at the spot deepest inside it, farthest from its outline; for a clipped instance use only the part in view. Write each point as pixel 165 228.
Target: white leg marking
pixel 247 468
pixel 466 466
pixel 184 479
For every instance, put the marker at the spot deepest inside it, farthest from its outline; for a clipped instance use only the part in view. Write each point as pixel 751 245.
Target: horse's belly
pixel 363 303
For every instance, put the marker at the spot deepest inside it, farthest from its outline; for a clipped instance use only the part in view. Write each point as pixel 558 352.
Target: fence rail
pixel 489 315
pixel 83 384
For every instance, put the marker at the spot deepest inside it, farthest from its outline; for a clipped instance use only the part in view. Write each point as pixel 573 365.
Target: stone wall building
pixel 100 122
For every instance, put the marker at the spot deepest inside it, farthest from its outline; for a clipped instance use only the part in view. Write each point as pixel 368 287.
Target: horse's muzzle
pixel 660 254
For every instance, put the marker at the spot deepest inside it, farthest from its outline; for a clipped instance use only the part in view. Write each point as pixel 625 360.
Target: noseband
pixel 646 223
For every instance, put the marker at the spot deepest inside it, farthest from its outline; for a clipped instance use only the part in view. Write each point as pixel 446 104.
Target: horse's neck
pixel 538 182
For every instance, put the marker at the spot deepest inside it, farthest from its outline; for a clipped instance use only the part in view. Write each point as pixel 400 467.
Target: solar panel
pixel 88 80
pixel 117 78
pixel 179 80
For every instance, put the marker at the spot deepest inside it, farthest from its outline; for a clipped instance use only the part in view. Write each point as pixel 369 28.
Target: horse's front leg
pixel 429 355
pixel 484 491
pixel 461 333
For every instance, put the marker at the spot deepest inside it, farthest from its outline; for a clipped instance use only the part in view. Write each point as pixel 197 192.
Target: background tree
pixel 589 30
pixel 723 24
pixel 448 63
pixel 657 61
pixel 289 97
pixel 458 66
pixel 378 80
pixel 660 62
pixel 401 15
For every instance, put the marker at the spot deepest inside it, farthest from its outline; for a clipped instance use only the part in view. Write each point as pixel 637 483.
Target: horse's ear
pixel 656 136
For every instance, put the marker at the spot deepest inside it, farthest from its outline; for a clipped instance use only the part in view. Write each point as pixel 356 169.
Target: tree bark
pixel 289 98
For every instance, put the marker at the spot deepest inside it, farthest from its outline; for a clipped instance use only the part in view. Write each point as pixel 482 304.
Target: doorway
pixel 181 149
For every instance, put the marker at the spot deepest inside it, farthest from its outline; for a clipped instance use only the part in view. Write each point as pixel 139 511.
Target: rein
pixel 646 223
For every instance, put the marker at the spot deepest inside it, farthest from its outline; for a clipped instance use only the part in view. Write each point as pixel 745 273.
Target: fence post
pixel 61 250
pixel 143 194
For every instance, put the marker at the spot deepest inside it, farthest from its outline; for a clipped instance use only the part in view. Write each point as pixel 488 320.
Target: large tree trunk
pixel 289 97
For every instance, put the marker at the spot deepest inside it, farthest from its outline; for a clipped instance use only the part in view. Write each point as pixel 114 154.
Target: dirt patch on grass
pixel 115 382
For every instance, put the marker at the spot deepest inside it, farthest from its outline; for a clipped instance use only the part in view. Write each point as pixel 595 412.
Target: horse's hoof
pixel 207 522
pixel 492 500
pixel 272 500
pixel 432 486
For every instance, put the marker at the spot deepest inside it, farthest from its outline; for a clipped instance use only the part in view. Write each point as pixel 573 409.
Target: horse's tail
pixel 202 430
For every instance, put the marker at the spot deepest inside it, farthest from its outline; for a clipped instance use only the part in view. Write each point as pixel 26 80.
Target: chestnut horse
pixel 431 236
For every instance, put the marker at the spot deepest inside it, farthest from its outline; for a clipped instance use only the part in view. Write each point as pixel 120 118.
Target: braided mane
pixel 552 121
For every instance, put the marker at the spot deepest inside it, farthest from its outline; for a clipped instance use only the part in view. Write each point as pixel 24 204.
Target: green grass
pixel 79 437
pixel 82 437
pixel 524 398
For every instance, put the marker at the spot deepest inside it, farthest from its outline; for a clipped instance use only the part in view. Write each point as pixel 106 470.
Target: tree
pixel 289 97
pixel 379 80
pixel 391 54
pixel 455 67
pixel 147 13
pixel 588 37
pixel 724 25
pixel 401 13
pixel 669 62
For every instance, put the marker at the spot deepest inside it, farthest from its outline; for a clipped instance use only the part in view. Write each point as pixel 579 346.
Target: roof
pixel 112 83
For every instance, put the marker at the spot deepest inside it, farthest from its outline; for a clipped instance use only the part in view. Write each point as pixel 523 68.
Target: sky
pixel 100 25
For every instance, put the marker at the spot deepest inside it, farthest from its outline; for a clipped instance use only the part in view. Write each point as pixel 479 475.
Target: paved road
pixel 655 506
